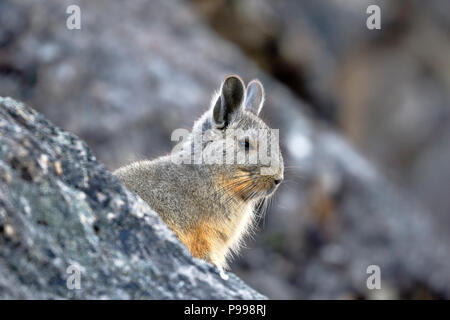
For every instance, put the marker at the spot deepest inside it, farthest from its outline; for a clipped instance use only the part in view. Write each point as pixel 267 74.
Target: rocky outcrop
pixel 63 215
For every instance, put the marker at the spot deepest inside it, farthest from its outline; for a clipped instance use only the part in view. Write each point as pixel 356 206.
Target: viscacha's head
pixel 237 145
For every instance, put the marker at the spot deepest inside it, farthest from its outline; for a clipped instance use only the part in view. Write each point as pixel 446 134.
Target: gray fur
pixel 255 97
pixel 185 194
pixel 232 94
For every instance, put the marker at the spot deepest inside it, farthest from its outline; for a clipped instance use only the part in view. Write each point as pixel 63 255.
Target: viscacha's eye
pixel 245 144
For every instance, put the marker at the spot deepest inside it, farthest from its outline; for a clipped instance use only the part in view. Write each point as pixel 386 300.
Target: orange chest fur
pixel 206 238
pixel 212 239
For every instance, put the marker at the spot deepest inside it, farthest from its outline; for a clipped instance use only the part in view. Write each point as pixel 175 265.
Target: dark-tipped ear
pixel 232 94
pixel 255 97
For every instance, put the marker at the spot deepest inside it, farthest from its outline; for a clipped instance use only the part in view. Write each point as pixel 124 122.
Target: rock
pixel 60 207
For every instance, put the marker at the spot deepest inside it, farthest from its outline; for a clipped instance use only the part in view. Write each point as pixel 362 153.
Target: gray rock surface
pixel 60 207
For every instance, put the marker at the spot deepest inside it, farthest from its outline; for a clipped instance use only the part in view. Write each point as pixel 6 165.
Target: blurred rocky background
pixel 363 115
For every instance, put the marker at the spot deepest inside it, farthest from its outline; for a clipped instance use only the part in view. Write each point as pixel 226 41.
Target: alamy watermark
pixel 73 21
pixel 234 146
pixel 374 280
pixel 373 21
pixel 73 281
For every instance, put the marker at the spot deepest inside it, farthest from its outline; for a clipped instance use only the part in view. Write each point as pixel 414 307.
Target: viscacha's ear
pixel 232 95
pixel 255 97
